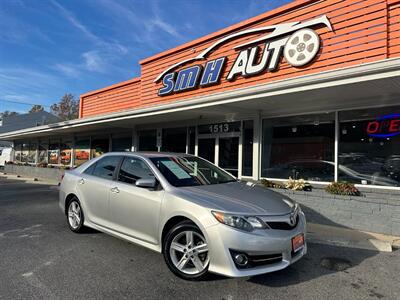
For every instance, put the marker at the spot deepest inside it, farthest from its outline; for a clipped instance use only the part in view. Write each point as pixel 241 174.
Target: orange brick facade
pixel 363 31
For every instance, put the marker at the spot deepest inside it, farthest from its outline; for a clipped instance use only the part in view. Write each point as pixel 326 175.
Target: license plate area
pixel 297 243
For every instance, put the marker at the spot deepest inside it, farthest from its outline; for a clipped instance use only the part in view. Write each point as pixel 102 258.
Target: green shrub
pixel 342 188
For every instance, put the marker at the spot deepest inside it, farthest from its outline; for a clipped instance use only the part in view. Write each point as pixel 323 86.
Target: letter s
pixel 168 84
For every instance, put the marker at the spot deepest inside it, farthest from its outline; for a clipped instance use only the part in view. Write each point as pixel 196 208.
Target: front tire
pixel 186 251
pixel 75 217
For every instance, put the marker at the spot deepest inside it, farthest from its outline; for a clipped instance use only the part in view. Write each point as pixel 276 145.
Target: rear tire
pixel 75 216
pixel 186 252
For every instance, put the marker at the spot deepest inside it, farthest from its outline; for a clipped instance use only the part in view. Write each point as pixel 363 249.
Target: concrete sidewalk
pixel 346 237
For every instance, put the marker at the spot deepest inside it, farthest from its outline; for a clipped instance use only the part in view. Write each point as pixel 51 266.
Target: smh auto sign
pixel 296 41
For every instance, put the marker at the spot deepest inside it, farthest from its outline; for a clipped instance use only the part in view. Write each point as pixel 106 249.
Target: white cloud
pixel 67 69
pixel 93 61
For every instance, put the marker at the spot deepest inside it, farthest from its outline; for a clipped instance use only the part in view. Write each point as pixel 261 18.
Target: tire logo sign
pixel 301 47
pixel 296 41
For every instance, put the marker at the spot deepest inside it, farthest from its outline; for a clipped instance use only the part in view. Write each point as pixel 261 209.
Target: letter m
pixel 187 78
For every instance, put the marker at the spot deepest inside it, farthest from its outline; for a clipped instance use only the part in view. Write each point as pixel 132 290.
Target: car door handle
pixel 115 190
pixel 81 181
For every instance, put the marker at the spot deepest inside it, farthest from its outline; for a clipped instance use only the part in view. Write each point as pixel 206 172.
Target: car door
pixel 94 189
pixel 135 211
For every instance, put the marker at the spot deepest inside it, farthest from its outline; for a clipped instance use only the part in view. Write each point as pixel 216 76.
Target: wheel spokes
pixel 177 247
pixel 202 248
pixel 197 263
pixel 189 238
pixel 182 263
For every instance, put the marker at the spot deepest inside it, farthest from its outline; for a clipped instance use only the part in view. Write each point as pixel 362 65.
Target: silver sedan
pixel 197 215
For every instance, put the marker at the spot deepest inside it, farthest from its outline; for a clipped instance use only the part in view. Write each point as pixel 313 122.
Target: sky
pixel 52 47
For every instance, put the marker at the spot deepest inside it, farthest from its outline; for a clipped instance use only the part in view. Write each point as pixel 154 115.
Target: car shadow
pixel 320 260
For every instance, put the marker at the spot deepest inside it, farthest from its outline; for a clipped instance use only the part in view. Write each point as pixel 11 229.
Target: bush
pixel 298 185
pixel 342 188
pixel 271 184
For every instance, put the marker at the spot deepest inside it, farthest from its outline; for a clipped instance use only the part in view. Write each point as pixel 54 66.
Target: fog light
pixel 241 259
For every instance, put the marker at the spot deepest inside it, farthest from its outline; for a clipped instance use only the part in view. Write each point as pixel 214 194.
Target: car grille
pixel 282 225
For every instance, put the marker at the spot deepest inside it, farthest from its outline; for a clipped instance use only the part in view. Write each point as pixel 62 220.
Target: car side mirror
pixel 146 183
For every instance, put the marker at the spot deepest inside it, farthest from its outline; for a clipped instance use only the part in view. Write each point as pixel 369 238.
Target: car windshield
pixel 190 171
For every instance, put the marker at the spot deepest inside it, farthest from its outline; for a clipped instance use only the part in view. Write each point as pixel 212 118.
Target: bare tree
pixel 36 108
pixel 67 108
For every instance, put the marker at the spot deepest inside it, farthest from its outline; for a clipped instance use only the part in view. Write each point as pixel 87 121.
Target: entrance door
pixel 207 149
pixel 228 156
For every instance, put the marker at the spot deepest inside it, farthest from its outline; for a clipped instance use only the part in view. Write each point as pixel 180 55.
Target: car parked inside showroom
pixel 201 218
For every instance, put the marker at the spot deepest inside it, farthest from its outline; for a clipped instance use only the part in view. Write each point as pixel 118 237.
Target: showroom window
pixel 369 146
pixel 247 149
pixel 18 151
pixel 192 140
pixel 66 151
pixel 53 153
pixel 82 151
pixel 100 145
pixel 32 152
pixel 299 147
pixel 43 147
pixel 174 140
pixel 148 140
pixel 121 143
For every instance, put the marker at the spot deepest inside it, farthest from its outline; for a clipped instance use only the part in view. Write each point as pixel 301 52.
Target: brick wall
pixel 376 210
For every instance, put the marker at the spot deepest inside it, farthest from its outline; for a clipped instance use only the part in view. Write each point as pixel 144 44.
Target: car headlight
pixel 246 223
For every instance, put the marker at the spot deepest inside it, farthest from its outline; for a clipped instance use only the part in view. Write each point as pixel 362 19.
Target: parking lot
pixel 41 259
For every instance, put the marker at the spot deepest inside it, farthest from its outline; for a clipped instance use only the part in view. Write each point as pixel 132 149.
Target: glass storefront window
pixel 100 145
pixel 81 151
pixel 32 152
pixel 43 147
pixel 299 147
pixel 122 143
pixel 53 153
pixel 66 152
pixel 25 152
pixel 192 140
pixel 18 151
pixel 369 146
pixel 174 140
pixel 148 140
pixel 247 148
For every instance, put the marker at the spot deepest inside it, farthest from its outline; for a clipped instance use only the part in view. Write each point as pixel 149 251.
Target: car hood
pixel 238 197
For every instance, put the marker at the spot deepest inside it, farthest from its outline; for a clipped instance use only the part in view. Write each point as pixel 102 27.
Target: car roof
pixel 148 154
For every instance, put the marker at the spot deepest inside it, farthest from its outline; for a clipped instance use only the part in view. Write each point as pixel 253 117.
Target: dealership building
pixel 308 90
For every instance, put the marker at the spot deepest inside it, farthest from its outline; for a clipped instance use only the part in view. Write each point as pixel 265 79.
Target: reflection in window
pixel 53 153
pixel 82 151
pixel 32 152
pixel 43 147
pixel 133 169
pixel 66 152
pixel 299 147
pixel 25 152
pixel 148 140
pixel 247 160
pixel 106 166
pixel 174 140
pixel 122 144
pixel 366 159
pixel 18 151
pixel 100 145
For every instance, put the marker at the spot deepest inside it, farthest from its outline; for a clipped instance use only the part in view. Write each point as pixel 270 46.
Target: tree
pixel 67 108
pixel 36 108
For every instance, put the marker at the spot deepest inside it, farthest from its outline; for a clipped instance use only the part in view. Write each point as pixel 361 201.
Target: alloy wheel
pixel 74 215
pixel 189 252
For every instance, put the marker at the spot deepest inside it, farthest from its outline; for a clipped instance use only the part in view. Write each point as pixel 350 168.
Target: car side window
pixel 105 167
pixel 133 169
pixel 90 169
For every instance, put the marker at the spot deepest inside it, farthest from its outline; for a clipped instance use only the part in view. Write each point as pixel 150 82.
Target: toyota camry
pixel 201 218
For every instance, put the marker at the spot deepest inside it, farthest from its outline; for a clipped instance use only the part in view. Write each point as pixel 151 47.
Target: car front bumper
pixel 223 239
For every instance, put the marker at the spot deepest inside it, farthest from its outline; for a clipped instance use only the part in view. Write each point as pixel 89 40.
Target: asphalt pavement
pixel 40 258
